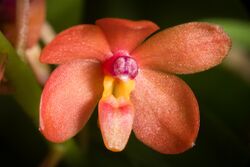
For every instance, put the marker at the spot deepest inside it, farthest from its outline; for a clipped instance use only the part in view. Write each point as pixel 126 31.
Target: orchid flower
pixel 133 79
pixel 21 22
pixel 11 17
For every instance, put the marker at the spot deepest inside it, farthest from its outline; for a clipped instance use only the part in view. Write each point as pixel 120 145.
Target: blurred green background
pixel 223 92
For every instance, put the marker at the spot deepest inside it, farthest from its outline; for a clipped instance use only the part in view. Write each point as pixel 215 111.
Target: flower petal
pixel 125 34
pixel 83 41
pixel 186 48
pixel 68 99
pixel 166 112
pixel 115 119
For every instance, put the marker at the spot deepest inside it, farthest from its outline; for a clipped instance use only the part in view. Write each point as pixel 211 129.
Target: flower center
pixel 121 66
pixel 116 112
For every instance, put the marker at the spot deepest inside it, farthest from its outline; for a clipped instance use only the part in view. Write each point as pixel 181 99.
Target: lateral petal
pixel 166 112
pixel 125 35
pixel 186 48
pixel 68 99
pixel 82 41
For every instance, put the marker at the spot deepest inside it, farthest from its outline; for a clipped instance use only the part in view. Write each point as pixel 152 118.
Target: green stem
pixel 54 156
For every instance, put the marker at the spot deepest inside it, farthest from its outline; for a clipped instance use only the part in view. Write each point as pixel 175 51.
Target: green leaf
pixel 26 89
pixel 27 93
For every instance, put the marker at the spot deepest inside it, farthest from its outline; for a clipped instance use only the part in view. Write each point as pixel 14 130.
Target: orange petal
pixel 166 112
pixel 68 99
pixel 115 119
pixel 82 41
pixel 186 48
pixel 125 34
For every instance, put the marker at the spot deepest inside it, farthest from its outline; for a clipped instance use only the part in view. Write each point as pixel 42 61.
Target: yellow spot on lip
pixel 108 84
pixel 117 87
pixel 116 112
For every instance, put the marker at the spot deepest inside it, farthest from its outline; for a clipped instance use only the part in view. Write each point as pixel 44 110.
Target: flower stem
pixel 54 156
pixel 238 61
pixel 47 33
pixel 22 10
pixel 41 71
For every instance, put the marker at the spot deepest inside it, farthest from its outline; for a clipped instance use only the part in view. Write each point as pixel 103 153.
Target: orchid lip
pixel 121 66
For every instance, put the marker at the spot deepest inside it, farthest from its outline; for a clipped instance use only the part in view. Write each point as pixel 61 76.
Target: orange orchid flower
pixel 10 19
pixel 132 78
pixel 21 21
